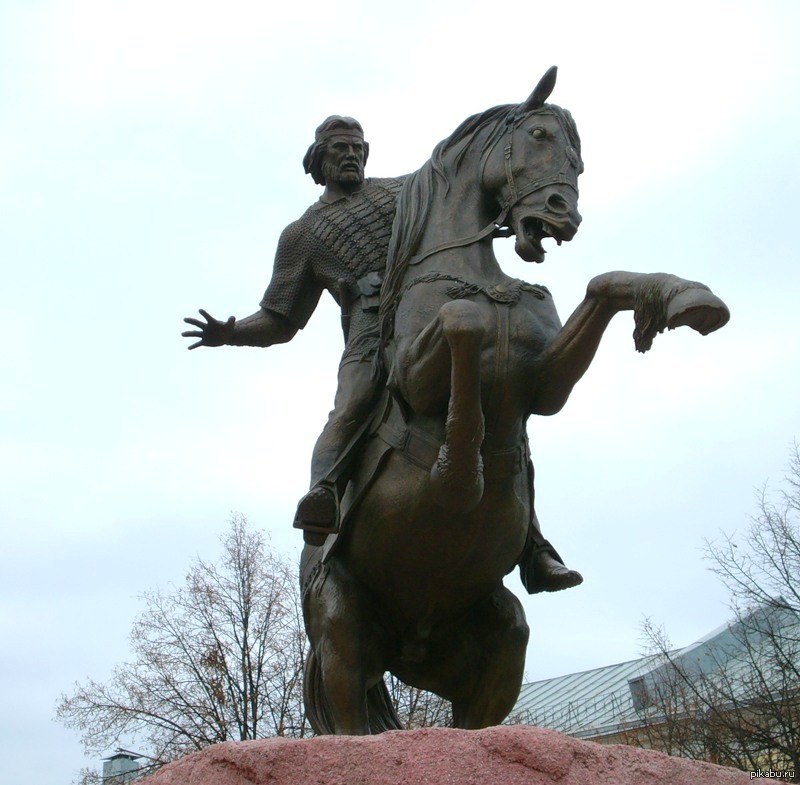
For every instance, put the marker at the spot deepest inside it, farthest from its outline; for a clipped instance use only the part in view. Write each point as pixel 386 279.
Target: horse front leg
pixel 451 345
pixel 658 301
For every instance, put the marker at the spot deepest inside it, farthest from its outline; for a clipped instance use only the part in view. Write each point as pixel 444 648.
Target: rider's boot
pixel 540 566
pixel 543 570
pixel 318 513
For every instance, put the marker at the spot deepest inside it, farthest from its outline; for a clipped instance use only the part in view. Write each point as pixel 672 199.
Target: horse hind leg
pixel 500 637
pixel 457 474
pixel 478 662
pixel 381 714
pixel 346 653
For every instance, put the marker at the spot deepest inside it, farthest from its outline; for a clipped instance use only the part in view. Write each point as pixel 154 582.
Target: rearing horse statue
pixel 439 509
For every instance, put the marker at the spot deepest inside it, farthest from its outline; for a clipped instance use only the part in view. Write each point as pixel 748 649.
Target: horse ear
pixel 542 90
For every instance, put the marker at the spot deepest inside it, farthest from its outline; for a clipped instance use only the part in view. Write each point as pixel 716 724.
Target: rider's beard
pixel 345 178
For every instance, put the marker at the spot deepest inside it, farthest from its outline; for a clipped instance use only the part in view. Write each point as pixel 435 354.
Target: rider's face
pixel 343 164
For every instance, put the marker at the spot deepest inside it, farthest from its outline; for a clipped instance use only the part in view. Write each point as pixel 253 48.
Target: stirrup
pixel 318 513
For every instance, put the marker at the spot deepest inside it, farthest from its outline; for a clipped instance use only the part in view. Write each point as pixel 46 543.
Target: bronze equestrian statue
pixel 340 245
pixel 438 504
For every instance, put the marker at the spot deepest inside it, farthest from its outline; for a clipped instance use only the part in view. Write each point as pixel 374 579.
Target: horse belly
pixel 420 561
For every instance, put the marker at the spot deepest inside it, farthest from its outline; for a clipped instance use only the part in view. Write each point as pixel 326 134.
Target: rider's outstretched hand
pixel 212 332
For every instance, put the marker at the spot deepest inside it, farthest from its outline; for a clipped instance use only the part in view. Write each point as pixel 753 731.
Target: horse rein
pixel 495 227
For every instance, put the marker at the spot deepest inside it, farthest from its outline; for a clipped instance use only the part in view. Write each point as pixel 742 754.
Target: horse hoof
pixel 698 308
pixel 457 489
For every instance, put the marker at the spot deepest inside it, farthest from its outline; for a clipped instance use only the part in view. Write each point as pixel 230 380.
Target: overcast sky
pixel 150 154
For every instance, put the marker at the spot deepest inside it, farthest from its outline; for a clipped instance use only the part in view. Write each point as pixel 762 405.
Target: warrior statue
pixel 340 245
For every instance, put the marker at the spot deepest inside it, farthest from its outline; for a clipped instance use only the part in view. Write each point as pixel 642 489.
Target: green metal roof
pixel 590 703
pixel 604 700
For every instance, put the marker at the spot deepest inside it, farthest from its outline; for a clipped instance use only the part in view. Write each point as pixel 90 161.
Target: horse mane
pixel 417 193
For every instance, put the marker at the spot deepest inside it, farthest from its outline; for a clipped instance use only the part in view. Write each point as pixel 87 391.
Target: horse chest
pixel 514 339
pixel 529 329
pixel 498 328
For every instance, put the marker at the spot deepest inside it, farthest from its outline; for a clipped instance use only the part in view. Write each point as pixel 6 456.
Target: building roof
pixel 121 753
pixel 590 703
pixel 606 700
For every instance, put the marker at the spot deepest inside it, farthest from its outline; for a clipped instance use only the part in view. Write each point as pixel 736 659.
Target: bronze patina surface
pixel 422 483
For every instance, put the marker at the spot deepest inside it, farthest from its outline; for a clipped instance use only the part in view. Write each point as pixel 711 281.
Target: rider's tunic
pixel 329 243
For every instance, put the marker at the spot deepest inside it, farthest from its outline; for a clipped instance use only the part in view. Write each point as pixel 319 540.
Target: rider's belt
pixel 418 448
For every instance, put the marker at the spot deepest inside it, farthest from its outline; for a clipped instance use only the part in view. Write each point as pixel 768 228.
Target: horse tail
pixel 380 711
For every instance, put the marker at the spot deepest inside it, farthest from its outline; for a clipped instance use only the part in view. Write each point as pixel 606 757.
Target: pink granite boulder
pixel 515 755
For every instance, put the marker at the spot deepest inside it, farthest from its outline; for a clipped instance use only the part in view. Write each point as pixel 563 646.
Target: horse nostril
pixel 556 203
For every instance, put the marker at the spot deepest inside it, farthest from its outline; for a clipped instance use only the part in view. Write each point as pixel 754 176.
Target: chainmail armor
pixel 357 231
pixel 332 242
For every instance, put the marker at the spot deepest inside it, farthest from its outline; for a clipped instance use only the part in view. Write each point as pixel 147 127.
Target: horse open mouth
pixel 530 233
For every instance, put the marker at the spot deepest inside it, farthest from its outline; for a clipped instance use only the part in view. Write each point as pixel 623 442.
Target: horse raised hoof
pixel 666 301
pixel 699 308
pixel 455 486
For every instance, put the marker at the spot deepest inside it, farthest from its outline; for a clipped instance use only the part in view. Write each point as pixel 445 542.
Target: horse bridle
pixel 495 227
pixel 559 178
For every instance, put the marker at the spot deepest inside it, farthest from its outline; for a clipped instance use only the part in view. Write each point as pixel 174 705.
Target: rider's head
pixel 339 152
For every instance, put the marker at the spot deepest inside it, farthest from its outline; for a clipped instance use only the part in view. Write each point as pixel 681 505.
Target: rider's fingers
pixel 192 334
pixel 195 345
pixel 206 315
pixel 195 322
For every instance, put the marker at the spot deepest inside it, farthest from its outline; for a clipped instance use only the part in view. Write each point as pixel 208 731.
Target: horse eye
pixel 538 133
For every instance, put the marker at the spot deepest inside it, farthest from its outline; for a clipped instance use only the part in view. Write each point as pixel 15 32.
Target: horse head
pixel 531 167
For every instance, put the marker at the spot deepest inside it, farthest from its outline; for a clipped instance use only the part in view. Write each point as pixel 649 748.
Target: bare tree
pixel 218 658
pixel 737 702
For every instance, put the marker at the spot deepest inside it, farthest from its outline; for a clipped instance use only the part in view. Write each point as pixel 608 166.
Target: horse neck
pixel 474 263
pixel 457 209
pixel 457 213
